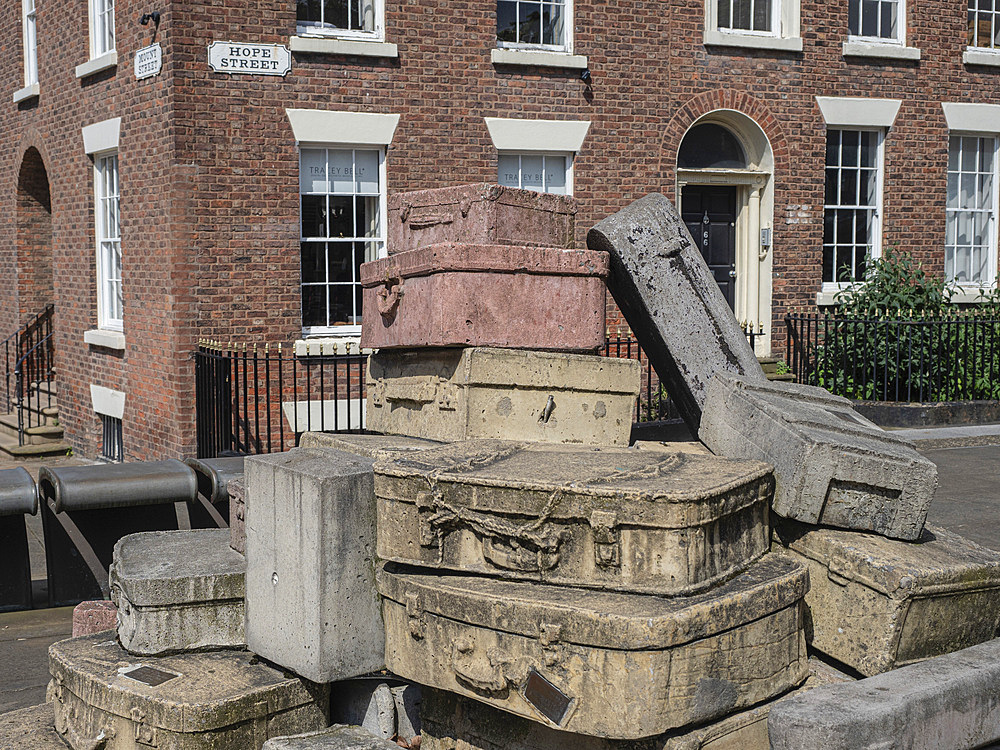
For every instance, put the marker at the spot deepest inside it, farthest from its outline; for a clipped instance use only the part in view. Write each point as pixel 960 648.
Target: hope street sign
pixel 254 59
pixel 148 61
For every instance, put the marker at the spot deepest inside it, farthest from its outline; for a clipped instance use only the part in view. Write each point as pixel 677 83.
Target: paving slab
pixel 31 728
pixel 25 638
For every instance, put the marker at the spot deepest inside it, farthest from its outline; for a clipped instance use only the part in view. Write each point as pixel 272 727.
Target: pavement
pixel 967 502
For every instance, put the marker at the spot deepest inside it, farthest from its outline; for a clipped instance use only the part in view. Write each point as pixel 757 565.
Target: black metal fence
pixel 261 399
pixel 898 358
pixel 26 338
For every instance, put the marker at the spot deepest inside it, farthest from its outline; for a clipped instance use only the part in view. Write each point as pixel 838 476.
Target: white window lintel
pixel 102 136
pixel 106 401
pixel 537 135
pixel 858 112
pixel 971 117
pixel 328 126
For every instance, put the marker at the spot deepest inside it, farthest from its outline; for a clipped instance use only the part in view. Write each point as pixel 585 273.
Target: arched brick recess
pixel 33 238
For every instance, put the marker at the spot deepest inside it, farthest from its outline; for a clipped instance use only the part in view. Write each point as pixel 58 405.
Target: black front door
pixel 709 211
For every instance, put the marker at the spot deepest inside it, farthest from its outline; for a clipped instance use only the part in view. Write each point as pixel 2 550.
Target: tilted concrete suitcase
pixel 178 591
pixel 237 515
pixel 460 394
pixel 485 295
pixel 831 465
pixel 638 521
pixel 876 604
pixel 672 303
pixel 604 664
pixel 223 700
pixel 482 213
pixel 451 722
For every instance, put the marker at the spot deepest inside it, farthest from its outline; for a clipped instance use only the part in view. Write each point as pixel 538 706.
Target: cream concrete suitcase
pixel 105 699
pixel 637 521
pixel 451 722
pixel 516 394
pixel 876 604
pixel 604 664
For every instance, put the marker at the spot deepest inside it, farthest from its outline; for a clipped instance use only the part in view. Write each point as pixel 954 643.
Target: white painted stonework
pixel 356 128
pixel 858 112
pixel 106 401
pixel 102 136
pixel 249 59
pixel 537 135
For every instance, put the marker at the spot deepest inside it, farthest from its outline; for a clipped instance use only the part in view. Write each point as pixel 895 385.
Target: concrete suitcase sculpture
pixel 460 394
pixel 178 591
pixel 638 521
pixel 831 465
pixel 480 213
pixel 451 722
pixel 876 604
pixel 311 603
pixel 666 292
pixel 370 446
pixel 578 659
pixel 225 700
pixel 485 295
pixel 237 515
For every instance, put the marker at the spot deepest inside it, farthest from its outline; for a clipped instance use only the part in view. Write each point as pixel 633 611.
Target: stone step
pixel 9 446
pixel 35 435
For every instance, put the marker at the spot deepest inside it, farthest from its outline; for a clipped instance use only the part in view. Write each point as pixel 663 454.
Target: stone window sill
pixel 326 346
pixel 105 61
pixel 990 57
pixel 969 295
pixel 331 46
pixel 715 38
pixel 106 339
pixel 883 51
pixel 26 93
pixel 537 58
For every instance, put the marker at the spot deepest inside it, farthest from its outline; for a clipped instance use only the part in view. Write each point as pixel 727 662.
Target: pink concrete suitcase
pixel 480 213
pixel 485 295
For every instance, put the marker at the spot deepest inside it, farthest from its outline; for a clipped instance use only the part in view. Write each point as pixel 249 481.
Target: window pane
pixel 762 15
pixel 507 21
pixel 314 216
pixel 530 23
pixel 341 216
pixel 342 304
pixel 312 171
pixel 366 172
pixel 741 14
pixel 340 261
pixel 507 167
pixel 313 262
pixel 308 10
pixel 555 175
pixel 335 13
pixel 854 17
pixel 366 218
pixel 341 171
pixel 553 21
pixel 869 18
pixel 851 194
pixel 723 14
pixel 314 305
pixel 532 177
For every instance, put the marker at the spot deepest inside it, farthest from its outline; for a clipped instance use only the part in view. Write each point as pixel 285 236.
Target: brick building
pixel 206 196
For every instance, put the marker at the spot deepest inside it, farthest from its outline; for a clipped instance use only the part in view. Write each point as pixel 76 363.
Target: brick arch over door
pixel 33 239
pixel 712 101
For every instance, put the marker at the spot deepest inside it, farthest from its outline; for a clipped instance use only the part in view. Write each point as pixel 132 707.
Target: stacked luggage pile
pixel 500 546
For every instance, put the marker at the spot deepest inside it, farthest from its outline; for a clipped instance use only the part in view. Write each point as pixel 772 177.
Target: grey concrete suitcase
pixel 368 445
pixel 514 394
pixel 105 699
pixel 178 591
pixel 451 722
pixel 831 465
pixel 637 521
pixel 604 664
pixel 876 604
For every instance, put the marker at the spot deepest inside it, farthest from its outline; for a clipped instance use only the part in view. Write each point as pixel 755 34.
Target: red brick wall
pixel 209 167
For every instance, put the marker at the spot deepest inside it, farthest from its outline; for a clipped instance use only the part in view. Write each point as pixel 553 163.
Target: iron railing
pixel 17 344
pixel 653 402
pixel 261 399
pixel 902 358
pixel 34 374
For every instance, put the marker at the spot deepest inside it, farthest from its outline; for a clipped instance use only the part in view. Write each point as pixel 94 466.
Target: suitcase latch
pixel 144 734
pixel 604 524
pixel 377 392
pixel 447 396
pixel 415 616
pixel 548 637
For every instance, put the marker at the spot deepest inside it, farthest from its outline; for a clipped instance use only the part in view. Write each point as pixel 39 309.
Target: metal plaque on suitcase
pixel 640 521
pixel 600 663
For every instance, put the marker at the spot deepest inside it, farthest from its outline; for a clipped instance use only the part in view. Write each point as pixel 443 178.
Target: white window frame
pixel 568 156
pixel 29 32
pixel 898 40
pixel 876 232
pixel 994 213
pixel 377 34
pixel 566 46
pixel 355 329
pixel 101 10
pixel 785 34
pixel 107 237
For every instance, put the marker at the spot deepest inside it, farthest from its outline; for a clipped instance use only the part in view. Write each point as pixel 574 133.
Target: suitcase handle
pixel 506 554
pixel 491 675
pixel 411 389
pixel 388 296
pixel 85 743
